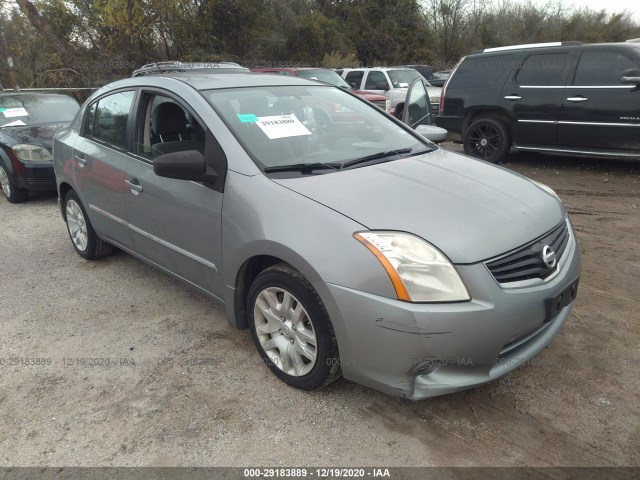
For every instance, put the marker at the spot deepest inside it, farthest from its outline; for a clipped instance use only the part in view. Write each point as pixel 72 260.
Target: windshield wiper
pixel 401 152
pixel 303 167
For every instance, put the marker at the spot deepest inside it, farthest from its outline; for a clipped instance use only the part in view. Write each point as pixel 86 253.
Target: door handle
pixel 577 99
pixel 80 159
pixel 135 187
pixel 513 97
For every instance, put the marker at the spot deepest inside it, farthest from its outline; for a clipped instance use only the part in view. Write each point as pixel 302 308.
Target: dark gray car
pixel 346 242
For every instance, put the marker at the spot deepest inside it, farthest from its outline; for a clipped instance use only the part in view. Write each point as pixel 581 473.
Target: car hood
pixel 469 209
pixel 41 135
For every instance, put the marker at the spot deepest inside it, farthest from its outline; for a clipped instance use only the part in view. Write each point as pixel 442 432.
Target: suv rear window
pixel 602 68
pixel 480 72
pixel 542 70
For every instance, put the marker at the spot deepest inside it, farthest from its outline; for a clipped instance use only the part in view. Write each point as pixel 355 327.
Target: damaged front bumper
pixel 418 350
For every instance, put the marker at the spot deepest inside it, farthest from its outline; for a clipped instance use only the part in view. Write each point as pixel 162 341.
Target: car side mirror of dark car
pixel 184 165
pixel 630 77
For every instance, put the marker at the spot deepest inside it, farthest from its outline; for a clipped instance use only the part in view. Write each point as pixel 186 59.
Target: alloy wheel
pixel 285 331
pixel 484 141
pixel 4 181
pixel 77 225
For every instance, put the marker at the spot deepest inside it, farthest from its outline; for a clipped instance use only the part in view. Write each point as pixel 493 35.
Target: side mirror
pixel 382 86
pixel 630 77
pixel 185 165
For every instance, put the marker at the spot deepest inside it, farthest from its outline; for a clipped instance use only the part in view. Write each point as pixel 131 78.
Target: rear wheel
pixel 10 190
pixel 488 139
pixel 291 329
pixel 83 236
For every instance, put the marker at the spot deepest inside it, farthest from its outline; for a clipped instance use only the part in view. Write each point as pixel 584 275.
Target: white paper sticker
pixel 15 112
pixel 15 123
pixel 282 126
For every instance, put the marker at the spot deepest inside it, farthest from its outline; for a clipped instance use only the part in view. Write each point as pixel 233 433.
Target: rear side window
pixel 107 119
pixel 354 78
pixel 602 68
pixel 481 72
pixel 543 70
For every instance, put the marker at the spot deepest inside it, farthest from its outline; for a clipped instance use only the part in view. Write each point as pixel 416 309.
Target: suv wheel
pixel 13 193
pixel 488 139
pixel 291 329
pixel 83 236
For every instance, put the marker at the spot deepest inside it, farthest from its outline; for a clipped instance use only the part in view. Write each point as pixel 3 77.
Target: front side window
pixel 543 70
pixel 168 128
pixel 376 81
pixel 419 106
pixel 309 125
pixel 108 117
pixel 602 68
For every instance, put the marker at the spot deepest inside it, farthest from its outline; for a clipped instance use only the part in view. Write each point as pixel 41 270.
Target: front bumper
pixel 423 350
pixel 37 177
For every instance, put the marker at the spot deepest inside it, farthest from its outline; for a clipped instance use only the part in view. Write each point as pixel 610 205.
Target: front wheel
pixel 291 329
pixel 487 139
pixel 12 193
pixel 83 236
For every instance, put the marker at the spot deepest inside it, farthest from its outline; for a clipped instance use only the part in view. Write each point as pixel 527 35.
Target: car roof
pixel 295 69
pixel 211 81
pixel 551 46
pixel 31 94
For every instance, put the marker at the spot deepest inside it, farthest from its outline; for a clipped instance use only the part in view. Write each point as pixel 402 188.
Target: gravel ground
pixel 182 388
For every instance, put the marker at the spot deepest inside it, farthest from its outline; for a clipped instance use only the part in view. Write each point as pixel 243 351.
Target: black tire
pixel 15 194
pixel 326 367
pixel 488 139
pixel 95 248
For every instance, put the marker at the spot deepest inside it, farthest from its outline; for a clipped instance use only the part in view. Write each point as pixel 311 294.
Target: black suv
pixel 554 97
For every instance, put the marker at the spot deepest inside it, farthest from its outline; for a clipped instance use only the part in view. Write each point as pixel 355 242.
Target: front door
pixel 175 223
pixel 598 111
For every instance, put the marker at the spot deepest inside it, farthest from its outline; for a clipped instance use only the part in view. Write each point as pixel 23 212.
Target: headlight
pixel 31 152
pixel 418 270
pixel 546 188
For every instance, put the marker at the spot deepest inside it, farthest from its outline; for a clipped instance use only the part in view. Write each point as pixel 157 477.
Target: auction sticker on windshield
pixel 15 112
pixel 282 126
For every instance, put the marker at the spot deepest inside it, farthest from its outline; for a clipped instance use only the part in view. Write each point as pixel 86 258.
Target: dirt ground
pixel 182 388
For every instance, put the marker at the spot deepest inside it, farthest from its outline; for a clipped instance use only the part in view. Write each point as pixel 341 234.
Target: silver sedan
pixel 343 240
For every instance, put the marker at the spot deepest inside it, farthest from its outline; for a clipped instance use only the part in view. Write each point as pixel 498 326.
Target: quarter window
pixel 481 72
pixel 107 119
pixel 602 68
pixel 542 70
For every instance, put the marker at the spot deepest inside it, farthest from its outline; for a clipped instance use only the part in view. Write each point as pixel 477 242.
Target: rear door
pixel 597 110
pixel 174 223
pixel 98 159
pixel 533 96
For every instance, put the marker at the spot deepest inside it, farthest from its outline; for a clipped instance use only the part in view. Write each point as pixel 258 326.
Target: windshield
pixel 403 78
pixel 301 125
pixel 326 76
pixel 25 109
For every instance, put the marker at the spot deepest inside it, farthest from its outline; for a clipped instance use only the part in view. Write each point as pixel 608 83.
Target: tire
pixel 83 236
pixel 11 192
pixel 281 292
pixel 488 139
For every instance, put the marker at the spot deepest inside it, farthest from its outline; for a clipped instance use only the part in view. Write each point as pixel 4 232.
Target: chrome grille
pixel 526 262
pixel 380 104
